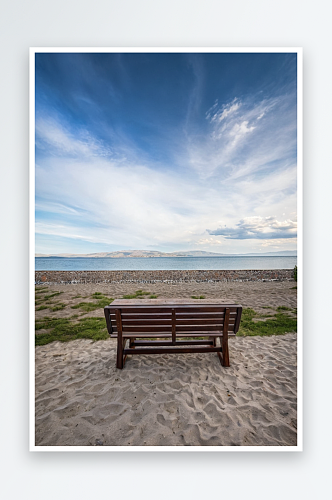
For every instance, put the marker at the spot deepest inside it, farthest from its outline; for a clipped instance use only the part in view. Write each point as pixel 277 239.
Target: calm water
pixel 161 263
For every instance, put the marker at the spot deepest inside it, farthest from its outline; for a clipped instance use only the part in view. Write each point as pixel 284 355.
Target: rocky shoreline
pixel 198 276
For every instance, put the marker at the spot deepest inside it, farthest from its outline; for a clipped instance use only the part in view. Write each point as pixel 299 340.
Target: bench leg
pixel 119 355
pixel 120 359
pixel 214 340
pixel 224 357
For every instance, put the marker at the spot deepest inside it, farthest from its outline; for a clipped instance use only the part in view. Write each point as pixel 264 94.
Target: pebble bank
pixel 72 277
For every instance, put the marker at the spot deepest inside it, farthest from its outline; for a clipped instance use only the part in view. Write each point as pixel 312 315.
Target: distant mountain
pixel 151 253
pixel 282 253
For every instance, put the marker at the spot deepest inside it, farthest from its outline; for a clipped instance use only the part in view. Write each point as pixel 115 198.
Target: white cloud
pixel 125 200
pixel 208 242
pixel 266 228
pixel 54 207
pixel 133 206
pixel 68 231
pixel 59 140
pixel 239 131
pixel 226 110
pixel 243 134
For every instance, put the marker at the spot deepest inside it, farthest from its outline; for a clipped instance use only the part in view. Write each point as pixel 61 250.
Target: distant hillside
pixel 151 253
pixel 282 253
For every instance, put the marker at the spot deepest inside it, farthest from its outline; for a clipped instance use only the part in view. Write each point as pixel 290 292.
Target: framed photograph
pixel 166 249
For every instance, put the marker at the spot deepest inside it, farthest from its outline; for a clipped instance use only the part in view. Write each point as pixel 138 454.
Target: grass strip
pixel 47 297
pixel 100 302
pixel 64 330
pixel 279 324
pixel 58 306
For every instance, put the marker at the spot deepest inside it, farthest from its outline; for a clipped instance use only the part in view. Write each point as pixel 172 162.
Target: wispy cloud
pixel 137 206
pixel 129 200
pixel 244 137
pixel 218 114
pixel 53 137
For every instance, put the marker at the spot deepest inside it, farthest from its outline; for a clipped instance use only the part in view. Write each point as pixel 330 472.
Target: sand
pixel 170 399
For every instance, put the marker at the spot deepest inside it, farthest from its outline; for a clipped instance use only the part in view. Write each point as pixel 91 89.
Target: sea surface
pixel 161 263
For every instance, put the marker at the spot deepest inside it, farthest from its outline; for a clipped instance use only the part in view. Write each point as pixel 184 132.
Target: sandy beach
pixel 171 399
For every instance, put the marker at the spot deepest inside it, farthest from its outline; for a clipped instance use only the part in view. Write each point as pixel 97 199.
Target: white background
pixel 169 23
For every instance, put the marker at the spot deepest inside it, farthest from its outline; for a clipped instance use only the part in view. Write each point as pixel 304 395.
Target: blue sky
pixel 165 151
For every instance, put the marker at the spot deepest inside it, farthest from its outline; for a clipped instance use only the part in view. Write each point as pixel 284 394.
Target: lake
pixel 162 263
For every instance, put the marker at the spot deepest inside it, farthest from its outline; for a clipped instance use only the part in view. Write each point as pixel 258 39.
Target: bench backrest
pixel 169 320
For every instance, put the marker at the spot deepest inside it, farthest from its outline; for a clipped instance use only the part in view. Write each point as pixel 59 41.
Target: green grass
pixel 278 324
pixel 55 294
pixel 44 301
pixel 58 306
pixel 100 302
pixel 294 288
pixel 139 294
pixel 200 297
pixel 153 296
pixel 283 308
pixel 64 329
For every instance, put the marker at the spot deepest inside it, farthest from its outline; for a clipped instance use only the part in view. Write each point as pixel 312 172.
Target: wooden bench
pixel 143 322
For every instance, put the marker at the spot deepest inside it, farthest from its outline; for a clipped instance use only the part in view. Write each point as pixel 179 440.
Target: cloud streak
pixel 258 228
pixel 244 137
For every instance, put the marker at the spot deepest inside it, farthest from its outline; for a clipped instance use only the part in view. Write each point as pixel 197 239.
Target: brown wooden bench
pixel 143 322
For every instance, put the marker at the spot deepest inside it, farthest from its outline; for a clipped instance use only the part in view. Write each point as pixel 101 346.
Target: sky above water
pixel 165 151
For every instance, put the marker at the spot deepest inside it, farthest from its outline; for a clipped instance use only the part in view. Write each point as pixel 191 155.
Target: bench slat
pixel 148 322
pixel 178 328
pixel 126 316
pixel 218 314
pixel 168 309
pixel 180 322
pixel 200 328
pixel 143 343
pixel 170 350
pixel 202 321
pixel 204 309
pixel 144 328
pixel 168 314
pixel 132 335
pixel 179 317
